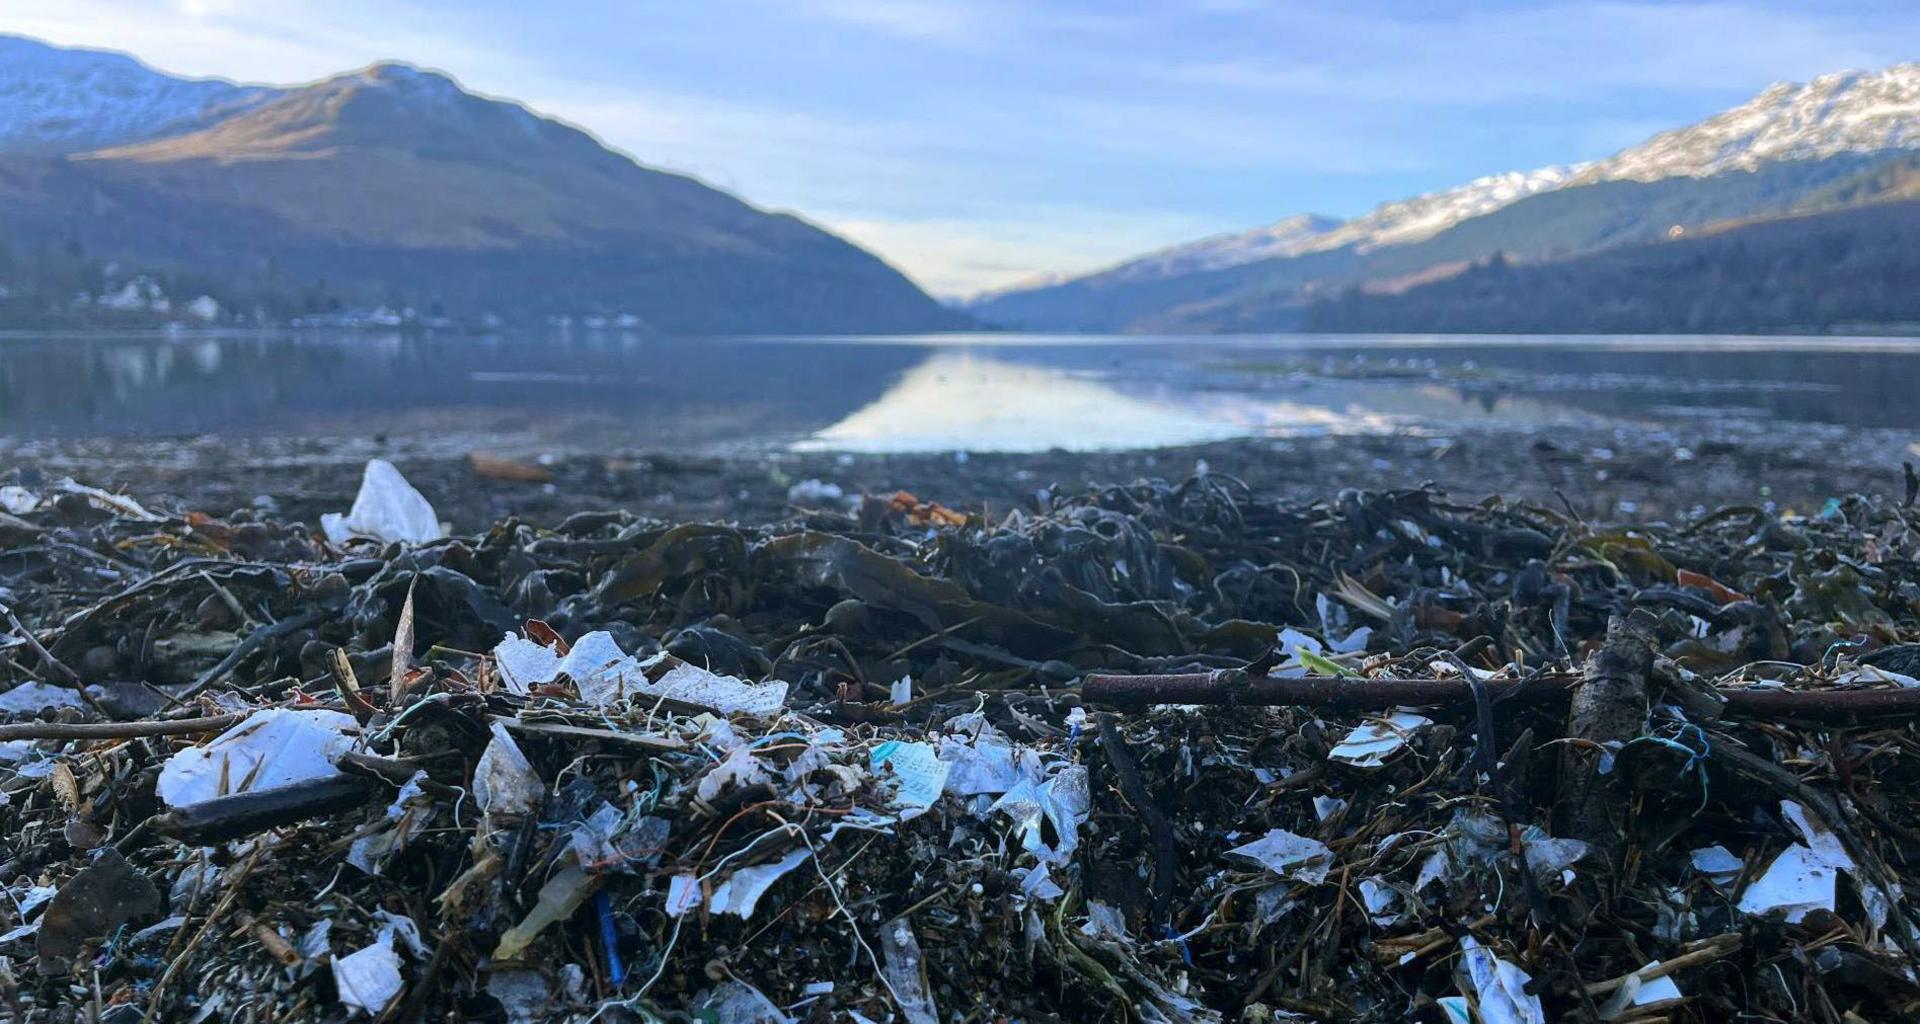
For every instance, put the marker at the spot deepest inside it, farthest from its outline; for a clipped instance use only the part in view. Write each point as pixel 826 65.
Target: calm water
pixel 983 392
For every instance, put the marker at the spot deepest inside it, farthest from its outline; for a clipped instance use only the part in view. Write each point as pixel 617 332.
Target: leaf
pixel 1323 665
pixel 402 651
pixel 546 636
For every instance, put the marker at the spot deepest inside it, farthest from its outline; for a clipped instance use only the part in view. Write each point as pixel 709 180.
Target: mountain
pixel 394 186
pixel 55 100
pixel 1847 271
pixel 1782 154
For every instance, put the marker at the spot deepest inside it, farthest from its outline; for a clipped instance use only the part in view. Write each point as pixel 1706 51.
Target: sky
pixel 979 143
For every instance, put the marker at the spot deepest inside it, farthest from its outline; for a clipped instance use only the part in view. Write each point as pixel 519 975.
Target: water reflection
pixel 981 392
pixel 965 400
pixel 979 402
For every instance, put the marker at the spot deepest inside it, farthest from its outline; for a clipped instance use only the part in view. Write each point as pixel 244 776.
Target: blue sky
pixel 974 143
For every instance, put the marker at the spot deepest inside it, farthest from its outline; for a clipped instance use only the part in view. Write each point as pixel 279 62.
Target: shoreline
pixel 1601 474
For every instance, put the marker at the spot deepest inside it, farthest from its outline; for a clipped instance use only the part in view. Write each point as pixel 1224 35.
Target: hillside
pixel 1793 149
pixel 394 186
pixel 1840 271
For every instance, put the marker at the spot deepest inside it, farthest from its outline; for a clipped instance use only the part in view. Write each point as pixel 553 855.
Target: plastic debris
pixel 1369 745
pixel 813 493
pixel 1637 996
pixel 272 748
pixel 918 770
pixel 741 892
pixel 1718 863
pixel 387 509
pixel 504 781
pixel 1499 987
pixel 368 979
pixel 1289 856
pixel 630 768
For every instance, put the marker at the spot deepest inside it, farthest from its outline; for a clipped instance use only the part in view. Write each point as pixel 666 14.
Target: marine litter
pixel 1168 750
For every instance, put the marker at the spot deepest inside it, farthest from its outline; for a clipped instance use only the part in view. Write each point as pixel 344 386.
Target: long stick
pixel 1235 687
pixel 117 730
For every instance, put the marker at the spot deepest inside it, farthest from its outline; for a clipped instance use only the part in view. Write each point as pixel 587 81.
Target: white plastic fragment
pixel 1325 807
pixel 1104 921
pixel 735 1002
pixel 739 770
pixel 18 500
pixel 1382 901
pixel 694 685
pixel 313 942
pixel 1825 845
pixel 1639 994
pixel 1717 863
pixel 524 664
pixel 504 781
pixel 1369 745
pixel 1549 858
pixel 984 762
pixel 1037 883
pixel 606 675
pixel 742 892
pixel 599 668
pixel 1794 885
pixel 1292 642
pixel 1063 801
pixel 274 747
pixel 901 691
pixel 813 493
pixel 369 979
pixel 1499 987
pixel 34 696
pixel 1288 855
pixel 683 894
pixel 916 768
pixel 906 973
pixel 387 509
pixel 107 501
pixel 1802 878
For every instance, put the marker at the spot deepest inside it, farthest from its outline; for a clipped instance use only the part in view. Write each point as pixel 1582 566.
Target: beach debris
pixel 1298 857
pixel 1173 750
pixel 387 509
pixel 368 979
pixel 1499 987
pixel 1369 745
pixel 271 748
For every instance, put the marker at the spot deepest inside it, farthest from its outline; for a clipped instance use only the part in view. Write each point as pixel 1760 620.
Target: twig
pixel 1715 948
pixel 1221 687
pixel 1134 788
pixel 117 730
pixel 241 650
pixel 213 918
pixel 46 657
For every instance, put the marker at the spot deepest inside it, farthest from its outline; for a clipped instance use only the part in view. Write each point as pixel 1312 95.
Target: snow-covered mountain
pixel 1848 112
pixel 1284 237
pixel 1829 126
pixel 58 100
pixel 1423 216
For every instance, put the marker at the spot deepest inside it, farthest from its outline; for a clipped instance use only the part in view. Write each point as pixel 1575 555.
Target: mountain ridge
pixel 1798 137
pixel 394 185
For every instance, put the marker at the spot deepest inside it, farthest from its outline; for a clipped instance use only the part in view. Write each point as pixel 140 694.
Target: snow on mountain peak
pixel 1844 112
pixel 1423 216
pixel 59 100
pixel 1284 237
